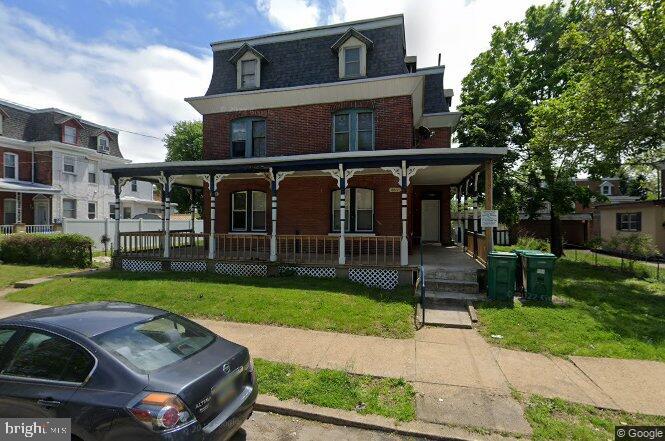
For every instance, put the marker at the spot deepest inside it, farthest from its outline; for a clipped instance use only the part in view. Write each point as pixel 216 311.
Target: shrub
pixel 47 249
pixel 531 243
pixel 636 245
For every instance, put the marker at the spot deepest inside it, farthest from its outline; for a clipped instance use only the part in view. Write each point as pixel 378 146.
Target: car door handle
pixel 49 403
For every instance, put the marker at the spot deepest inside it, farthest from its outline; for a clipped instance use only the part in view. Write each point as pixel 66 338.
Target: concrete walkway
pixel 459 377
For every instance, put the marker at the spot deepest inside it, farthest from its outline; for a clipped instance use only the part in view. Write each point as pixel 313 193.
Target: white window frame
pixel 4 165
pixel 346 63
pixel 64 135
pixel 9 202
pixel 352 43
pixel 64 210
pixel 233 210
pixel 94 175
pixel 94 211
pixel 371 229
pixel 248 56
pixel 65 159
pixel 265 210
pixel 134 186
pixel 122 213
pixel 112 210
pixel 607 187
pixel 100 148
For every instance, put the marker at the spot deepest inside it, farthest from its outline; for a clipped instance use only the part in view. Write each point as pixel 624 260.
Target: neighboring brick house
pixel 583 224
pixel 51 168
pixel 330 133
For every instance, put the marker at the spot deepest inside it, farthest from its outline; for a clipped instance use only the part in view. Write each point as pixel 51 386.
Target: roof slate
pixel 310 61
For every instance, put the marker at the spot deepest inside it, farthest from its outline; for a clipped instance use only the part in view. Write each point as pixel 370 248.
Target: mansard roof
pixel 352 32
pixel 242 50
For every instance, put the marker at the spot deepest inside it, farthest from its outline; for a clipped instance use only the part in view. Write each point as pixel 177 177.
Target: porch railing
pixel 39 229
pixel 187 245
pixel 296 248
pixel 476 246
pixel 142 244
pixel 242 247
pixel 373 250
pixel 6 229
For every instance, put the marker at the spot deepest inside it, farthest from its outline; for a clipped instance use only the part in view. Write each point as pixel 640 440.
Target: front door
pixel 42 212
pixel 430 220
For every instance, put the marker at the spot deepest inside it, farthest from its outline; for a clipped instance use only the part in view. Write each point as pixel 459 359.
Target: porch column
pixel 212 180
pixel 489 201
pixel 273 218
pixel 116 209
pixel 342 216
pixel 458 230
pixel 191 192
pixel 463 217
pixel 404 243
pixel 19 207
pixel 167 215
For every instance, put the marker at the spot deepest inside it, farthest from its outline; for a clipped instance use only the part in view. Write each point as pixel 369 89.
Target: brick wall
pixel 308 129
pixel 24 159
pixel 441 138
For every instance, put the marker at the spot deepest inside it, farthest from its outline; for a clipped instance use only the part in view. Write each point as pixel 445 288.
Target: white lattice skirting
pixel 377 277
pixel 241 269
pixel 309 271
pixel 142 266
pixel 188 267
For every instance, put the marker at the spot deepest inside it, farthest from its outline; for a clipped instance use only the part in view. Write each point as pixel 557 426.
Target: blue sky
pixel 129 64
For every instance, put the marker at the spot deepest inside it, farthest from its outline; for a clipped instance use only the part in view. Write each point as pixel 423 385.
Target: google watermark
pixel 42 429
pixel 639 433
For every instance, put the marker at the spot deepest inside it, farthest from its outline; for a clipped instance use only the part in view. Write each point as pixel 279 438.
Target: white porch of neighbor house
pixel 384 256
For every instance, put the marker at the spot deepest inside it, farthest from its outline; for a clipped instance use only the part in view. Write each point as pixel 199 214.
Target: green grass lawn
pixel 10 273
pixel 555 419
pixel 389 397
pixel 322 304
pixel 606 313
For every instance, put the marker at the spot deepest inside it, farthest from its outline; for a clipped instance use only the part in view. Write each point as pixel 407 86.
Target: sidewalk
pixel 459 377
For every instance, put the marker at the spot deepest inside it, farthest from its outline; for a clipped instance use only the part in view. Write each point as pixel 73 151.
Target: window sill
pixel 249 233
pixel 68 173
pixel 366 234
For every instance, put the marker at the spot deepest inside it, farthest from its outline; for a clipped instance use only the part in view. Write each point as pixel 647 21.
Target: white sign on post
pixel 489 218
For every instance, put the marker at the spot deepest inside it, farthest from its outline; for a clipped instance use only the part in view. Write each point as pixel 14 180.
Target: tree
pixel 523 67
pixel 185 143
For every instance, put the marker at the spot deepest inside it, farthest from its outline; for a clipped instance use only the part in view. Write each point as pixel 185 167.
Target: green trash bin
pixel 501 275
pixel 537 274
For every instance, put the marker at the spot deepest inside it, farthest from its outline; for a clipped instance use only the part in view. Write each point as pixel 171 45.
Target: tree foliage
pixel 185 143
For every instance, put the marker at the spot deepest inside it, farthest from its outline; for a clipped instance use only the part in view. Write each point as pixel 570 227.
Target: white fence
pixel 96 229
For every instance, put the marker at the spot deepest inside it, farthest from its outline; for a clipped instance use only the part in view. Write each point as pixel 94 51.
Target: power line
pixel 139 134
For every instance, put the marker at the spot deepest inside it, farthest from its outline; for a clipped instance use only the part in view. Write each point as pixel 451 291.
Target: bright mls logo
pixel 43 429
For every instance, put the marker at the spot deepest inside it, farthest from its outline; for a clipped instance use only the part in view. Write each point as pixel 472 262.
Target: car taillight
pixel 160 411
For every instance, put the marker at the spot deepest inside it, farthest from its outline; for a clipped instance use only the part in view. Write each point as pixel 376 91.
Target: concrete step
pixel 451 316
pixel 445 298
pixel 452 285
pixel 461 274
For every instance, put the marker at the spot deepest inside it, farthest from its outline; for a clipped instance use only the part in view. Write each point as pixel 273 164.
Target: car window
pixel 5 335
pixel 44 356
pixel 149 346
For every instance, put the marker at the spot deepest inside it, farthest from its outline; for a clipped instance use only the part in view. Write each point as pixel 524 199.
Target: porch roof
pixel 26 187
pixel 444 165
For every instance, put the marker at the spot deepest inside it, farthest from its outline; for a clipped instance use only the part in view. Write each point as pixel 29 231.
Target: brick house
pixel 328 142
pixel 52 163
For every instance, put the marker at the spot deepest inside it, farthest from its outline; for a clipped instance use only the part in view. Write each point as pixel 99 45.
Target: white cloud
pixel 139 89
pixel 290 14
pixel 458 29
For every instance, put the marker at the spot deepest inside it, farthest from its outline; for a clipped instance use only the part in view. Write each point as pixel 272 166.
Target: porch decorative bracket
pixel 411 171
pixel 162 178
pixel 395 171
pixel 280 177
pixel 122 181
pixel 348 174
pixel 336 174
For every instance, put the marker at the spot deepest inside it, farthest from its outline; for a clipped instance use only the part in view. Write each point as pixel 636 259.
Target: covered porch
pixel 334 214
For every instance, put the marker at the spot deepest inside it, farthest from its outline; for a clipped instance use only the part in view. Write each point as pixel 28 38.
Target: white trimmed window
pixel 69 208
pixel 606 189
pixel 92 210
pixel 248 73
pixel 92 177
pixel 352 59
pixel 69 135
pixel 9 213
pixel 103 144
pixel 135 185
pixel 10 166
pixel 126 212
pixel 248 211
pixel 359 210
pixel 69 164
pixel 112 210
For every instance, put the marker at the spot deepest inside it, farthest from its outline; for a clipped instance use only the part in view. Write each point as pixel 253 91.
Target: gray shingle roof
pixel 310 61
pixel 45 125
pixel 434 99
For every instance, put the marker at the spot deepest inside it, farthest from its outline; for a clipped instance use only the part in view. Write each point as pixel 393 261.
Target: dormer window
pixel 248 67
pixel 351 49
pixel 248 74
pixel 606 189
pixel 69 135
pixel 103 144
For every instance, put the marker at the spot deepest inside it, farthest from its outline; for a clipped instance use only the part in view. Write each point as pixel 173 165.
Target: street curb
pixel 417 429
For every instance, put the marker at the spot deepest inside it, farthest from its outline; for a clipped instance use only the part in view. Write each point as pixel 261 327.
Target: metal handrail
pixel 422 282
